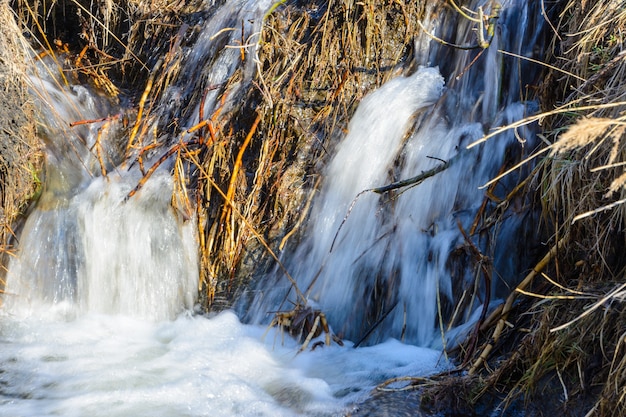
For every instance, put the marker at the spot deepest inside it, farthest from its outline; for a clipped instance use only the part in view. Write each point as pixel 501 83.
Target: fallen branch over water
pixel 413 181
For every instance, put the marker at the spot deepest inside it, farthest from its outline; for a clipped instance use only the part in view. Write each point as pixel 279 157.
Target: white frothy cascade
pixel 89 248
pixel 386 265
pixel 376 134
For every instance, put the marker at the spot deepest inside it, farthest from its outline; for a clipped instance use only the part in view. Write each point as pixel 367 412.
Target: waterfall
pixel 391 265
pixel 98 311
pixel 393 252
pixel 83 245
pixel 88 246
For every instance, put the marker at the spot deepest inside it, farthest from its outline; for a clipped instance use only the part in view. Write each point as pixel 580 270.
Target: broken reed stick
pixel 91 121
pixel 174 149
pixel 142 103
pixel 416 180
pixel 508 305
pixel 414 382
pixel 374 326
pixel 485 264
pixel 238 162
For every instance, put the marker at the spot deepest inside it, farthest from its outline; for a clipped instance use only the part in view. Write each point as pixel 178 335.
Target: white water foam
pixel 109 366
pixel 100 253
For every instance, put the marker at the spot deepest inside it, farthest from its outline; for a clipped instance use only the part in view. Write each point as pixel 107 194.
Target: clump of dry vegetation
pixel 559 340
pixel 20 158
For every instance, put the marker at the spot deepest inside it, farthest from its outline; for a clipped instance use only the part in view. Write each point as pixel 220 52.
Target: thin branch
pixel 414 180
pixel 390 187
pixel 531 119
pixel 552 67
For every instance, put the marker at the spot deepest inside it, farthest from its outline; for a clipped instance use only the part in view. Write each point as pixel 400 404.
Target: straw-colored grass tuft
pixel 562 345
pixel 20 157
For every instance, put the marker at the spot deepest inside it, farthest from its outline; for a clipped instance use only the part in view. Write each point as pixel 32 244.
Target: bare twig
pixel 390 187
pixel 508 305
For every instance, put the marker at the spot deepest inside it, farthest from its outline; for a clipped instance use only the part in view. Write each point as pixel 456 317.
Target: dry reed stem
pixel 238 162
pixel 257 235
pixel 508 305
pixel 616 294
pixel 140 108
pixel 567 108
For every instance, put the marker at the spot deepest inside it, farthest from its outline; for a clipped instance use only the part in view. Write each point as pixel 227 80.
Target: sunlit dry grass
pixel 566 334
pixel 20 157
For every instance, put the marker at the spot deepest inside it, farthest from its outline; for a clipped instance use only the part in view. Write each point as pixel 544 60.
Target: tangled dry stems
pixel 20 157
pixel 567 333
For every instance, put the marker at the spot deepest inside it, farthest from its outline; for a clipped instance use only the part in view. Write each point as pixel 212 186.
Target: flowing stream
pixel 98 317
pixel 374 263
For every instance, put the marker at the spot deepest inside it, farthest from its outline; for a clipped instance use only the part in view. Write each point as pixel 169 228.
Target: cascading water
pixel 377 273
pixel 87 242
pixel 120 270
pixel 83 246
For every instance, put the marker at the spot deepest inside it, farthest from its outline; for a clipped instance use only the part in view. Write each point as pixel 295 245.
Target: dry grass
pixel 20 157
pixel 566 336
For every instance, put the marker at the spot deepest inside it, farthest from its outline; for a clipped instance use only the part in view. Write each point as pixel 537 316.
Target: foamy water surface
pixel 102 365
